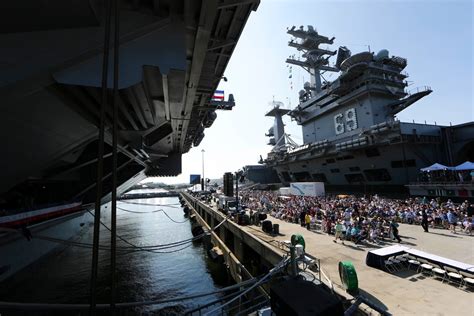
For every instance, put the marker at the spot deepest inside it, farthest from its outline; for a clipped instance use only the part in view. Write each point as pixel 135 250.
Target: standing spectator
pixel 347 217
pixel 394 227
pixel 424 220
pixel 452 220
pixel 307 220
pixel 338 233
pixel 302 218
pixel 329 225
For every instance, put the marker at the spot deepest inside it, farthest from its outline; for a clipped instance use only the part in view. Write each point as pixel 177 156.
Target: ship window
pixel 399 163
pixel 377 175
pixel 348 157
pixel 331 160
pixel 302 176
pixel 319 177
pixel 354 177
pixel 354 169
pixel 372 152
pixel 335 170
pixel 286 176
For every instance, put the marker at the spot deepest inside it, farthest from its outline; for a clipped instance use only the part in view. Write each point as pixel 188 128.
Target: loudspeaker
pixel 228 184
pixel 303 298
pixel 267 226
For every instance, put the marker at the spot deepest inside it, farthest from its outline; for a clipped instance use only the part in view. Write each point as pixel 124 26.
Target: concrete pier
pixel 402 293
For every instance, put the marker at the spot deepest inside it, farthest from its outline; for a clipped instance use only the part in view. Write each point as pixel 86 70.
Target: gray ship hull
pixel 386 166
pixel 18 253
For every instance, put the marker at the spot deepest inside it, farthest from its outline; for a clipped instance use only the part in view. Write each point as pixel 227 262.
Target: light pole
pixel 203 183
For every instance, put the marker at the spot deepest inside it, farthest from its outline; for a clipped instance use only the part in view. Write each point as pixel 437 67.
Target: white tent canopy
pixel 436 167
pixel 465 166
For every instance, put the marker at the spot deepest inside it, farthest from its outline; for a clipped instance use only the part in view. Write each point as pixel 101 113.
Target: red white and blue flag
pixel 218 95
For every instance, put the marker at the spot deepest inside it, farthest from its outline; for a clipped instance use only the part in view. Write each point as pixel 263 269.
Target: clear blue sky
pixel 436 38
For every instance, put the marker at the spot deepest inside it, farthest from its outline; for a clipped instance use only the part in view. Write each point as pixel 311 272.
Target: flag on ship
pixel 218 95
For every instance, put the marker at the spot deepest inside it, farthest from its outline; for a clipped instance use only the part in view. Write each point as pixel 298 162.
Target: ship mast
pixel 277 131
pixel 315 59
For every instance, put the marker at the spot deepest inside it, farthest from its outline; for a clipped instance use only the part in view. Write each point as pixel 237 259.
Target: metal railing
pixel 417 90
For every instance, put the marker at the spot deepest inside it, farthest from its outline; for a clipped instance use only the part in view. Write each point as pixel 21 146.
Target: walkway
pixel 405 294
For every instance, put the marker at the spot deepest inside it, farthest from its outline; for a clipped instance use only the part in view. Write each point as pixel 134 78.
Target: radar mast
pixel 315 59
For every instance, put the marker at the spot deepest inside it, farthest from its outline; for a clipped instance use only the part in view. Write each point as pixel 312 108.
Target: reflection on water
pixel 64 276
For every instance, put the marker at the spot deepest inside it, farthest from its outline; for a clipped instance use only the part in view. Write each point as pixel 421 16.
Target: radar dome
pixel 382 54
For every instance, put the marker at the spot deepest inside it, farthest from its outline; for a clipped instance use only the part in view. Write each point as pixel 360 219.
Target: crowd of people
pixel 370 218
pixel 446 176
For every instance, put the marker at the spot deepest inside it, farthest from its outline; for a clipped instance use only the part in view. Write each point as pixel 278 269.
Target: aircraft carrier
pixel 352 139
pixel 173 54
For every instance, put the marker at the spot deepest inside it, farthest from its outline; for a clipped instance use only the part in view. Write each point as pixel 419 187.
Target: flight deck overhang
pixel 173 55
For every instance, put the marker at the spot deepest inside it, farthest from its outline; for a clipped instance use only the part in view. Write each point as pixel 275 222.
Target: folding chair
pixel 412 261
pixel 468 278
pixel 390 266
pixel 403 259
pixel 425 266
pixel 453 275
pixel 397 263
pixel 437 272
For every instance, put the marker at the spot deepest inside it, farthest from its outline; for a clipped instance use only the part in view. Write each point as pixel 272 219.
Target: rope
pixel 154 211
pixel 48 306
pixel 138 212
pixel 172 205
pixel 133 248
pixel 166 246
pixel 174 221
pixel 273 271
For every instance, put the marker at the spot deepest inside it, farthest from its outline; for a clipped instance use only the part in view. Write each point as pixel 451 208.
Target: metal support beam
pixel 123 109
pixel 221 44
pixel 132 98
pixel 80 166
pixel 92 186
pixel 235 3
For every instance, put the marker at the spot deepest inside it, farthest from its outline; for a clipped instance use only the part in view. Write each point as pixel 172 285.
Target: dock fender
pixel 298 239
pixel 197 230
pixel 348 276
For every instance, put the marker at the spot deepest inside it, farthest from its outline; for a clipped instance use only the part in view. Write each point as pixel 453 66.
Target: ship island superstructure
pixel 351 136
